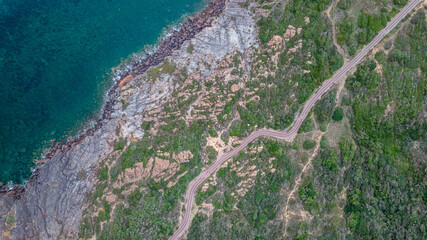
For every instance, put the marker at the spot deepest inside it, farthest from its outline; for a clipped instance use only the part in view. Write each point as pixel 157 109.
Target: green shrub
pixel 346 147
pixel 222 172
pixel 99 191
pixel 201 196
pixel 308 144
pixel 338 114
pixel 345 101
pixel 103 174
pixel 306 126
pixel 229 203
pixel 81 175
pixel 388 45
pixel 267 27
pixel 107 210
pixel 344 4
pixel 118 191
pixel 302 232
pixel 119 145
pixel 126 161
pixel 235 72
pixel 10 220
pixel 146 125
pixel 329 159
pixel 190 48
pixel 168 68
pixel 211 152
pixel 324 108
pixel 115 170
pixel 308 195
pixel 380 57
pixel 124 105
pixel 134 197
pixel 212 132
pixel 238 128
pixel 323 128
pixel 324 142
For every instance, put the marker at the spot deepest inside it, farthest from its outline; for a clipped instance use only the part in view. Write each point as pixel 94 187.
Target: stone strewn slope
pixel 51 206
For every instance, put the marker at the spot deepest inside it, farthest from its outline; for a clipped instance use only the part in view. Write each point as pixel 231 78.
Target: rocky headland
pixel 50 206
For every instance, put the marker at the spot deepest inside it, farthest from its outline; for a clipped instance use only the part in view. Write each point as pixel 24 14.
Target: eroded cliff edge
pixel 51 205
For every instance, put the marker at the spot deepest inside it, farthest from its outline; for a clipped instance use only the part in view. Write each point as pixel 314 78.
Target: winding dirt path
pixel 319 137
pixel 290 134
pixel 298 181
pixel 338 46
pixel 334 30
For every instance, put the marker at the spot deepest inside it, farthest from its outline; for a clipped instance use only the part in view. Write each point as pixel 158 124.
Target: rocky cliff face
pixel 51 205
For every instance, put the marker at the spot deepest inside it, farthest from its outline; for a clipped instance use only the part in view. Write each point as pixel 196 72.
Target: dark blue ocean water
pixel 55 61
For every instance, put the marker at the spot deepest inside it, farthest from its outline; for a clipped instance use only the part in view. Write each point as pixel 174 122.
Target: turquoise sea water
pixel 55 60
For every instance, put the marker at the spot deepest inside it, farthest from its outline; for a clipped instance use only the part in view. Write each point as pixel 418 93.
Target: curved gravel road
pixel 290 134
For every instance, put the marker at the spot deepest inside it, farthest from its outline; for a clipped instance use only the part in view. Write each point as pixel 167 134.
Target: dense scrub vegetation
pixel 360 21
pixel 386 198
pixel 371 183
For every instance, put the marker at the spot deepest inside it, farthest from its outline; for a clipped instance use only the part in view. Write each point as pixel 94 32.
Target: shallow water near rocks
pixel 55 60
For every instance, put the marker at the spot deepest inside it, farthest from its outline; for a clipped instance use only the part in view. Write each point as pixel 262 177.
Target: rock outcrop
pixel 233 31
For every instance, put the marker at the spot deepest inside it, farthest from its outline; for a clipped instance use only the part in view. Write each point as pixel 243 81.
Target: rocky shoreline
pixel 52 204
pixel 188 30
